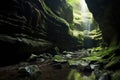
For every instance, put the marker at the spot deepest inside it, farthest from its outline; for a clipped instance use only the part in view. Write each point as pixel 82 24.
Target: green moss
pixel 77 12
pixel 49 12
pixel 75 75
pixel 54 19
pixel 96 34
pixel 103 55
pixel 92 58
pixel 59 58
pixel 80 26
pixel 109 51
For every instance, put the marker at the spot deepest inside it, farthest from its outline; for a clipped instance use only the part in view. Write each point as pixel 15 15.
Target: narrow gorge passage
pixel 59 40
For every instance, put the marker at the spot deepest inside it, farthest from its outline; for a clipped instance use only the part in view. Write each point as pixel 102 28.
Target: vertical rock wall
pixel 29 26
pixel 107 14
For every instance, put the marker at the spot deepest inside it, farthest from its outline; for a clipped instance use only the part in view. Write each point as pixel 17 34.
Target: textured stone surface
pixel 29 26
pixel 61 8
pixel 107 14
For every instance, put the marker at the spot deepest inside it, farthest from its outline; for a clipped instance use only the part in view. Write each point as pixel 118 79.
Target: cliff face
pixel 61 8
pixel 29 26
pixel 107 14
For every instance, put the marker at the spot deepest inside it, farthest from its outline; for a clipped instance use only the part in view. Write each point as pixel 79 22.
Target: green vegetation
pixel 78 13
pixel 49 12
pixel 84 28
pixel 59 58
pixel 106 56
pixel 75 75
pixel 51 15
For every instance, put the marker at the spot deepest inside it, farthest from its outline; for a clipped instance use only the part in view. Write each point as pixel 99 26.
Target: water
pixel 87 19
pixel 86 16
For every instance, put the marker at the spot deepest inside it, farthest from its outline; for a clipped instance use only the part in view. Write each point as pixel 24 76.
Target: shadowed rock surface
pixel 29 26
pixel 107 14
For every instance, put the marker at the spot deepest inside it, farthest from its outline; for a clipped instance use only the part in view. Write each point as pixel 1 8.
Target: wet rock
pixel 97 73
pixel 31 71
pixel 82 53
pixel 76 54
pixel 85 69
pixel 23 73
pixel 40 58
pixel 68 56
pixel 105 76
pixel 32 58
pixel 94 66
pixel 80 66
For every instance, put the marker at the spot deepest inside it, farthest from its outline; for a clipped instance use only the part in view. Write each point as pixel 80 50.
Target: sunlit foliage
pixel 75 75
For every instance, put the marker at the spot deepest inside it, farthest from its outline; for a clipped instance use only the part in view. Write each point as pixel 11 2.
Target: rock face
pixel 61 8
pixel 107 14
pixel 29 26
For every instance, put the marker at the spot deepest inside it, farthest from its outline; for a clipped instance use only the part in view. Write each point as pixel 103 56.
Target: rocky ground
pixel 67 66
pixel 34 71
pixel 26 71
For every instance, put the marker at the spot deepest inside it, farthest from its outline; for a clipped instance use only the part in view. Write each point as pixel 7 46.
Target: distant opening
pixel 82 16
pixel 83 23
